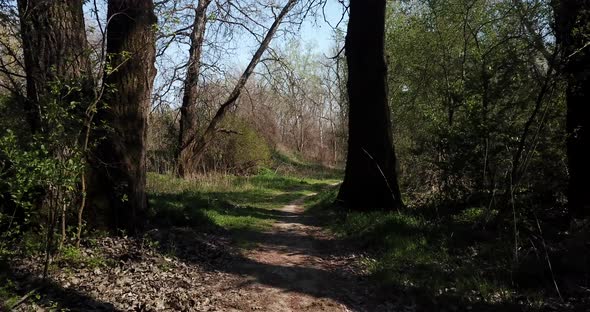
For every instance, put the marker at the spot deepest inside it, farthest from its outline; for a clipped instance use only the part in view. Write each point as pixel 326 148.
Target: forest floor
pixel 270 242
pixel 247 249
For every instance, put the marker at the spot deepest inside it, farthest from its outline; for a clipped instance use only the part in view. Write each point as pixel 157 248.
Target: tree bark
pixel 370 180
pixel 188 110
pixel 573 29
pixel 118 177
pixel 58 72
pixel 54 50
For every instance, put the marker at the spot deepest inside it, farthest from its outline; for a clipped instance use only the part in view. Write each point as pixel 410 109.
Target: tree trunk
pixel 188 110
pixel 370 180
pixel 119 165
pixel 54 50
pixel 58 72
pixel 573 28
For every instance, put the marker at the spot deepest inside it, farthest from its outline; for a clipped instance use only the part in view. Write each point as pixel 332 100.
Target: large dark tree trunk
pixel 58 73
pixel 188 110
pixel 54 50
pixel 573 32
pixel 370 180
pixel 117 184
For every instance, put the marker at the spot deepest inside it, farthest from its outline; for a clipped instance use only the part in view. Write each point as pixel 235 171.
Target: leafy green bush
pixel 28 176
pixel 239 149
pixel 40 170
pixel 461 104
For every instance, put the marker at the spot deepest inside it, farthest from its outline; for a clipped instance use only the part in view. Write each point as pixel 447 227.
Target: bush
pixel 40 170
pixel 239 149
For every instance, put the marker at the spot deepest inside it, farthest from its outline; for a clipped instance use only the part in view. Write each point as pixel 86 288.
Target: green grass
pixel 429 257
pixel 72 257
pixel 289 164
pixel 226 202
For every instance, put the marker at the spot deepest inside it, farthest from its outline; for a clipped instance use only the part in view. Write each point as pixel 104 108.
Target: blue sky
pixel 319 32
pixel 315 33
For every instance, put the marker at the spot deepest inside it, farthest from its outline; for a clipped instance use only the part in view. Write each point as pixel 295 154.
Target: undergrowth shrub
pixel 422 253
pixel 40 170
pixel 239 149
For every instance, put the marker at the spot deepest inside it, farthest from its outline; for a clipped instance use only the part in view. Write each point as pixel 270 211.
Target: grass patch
pixel 72 257
pixel 424 255
pixel 226 202
pixel 289 164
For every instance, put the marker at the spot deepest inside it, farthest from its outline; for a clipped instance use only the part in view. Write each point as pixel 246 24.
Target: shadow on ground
pixel 327 275
pixel 53 295
pixel 324 268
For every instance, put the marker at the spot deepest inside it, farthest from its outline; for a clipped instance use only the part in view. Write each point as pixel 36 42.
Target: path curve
pixel 298 266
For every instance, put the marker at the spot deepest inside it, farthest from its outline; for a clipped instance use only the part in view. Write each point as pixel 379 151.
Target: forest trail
pixel 293 265
pixel 297 266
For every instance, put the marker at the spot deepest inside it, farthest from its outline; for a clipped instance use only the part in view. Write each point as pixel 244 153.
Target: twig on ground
pixel 23 299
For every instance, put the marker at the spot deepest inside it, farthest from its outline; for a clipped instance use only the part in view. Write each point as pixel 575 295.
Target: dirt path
pixel 294 266
pixel 297 266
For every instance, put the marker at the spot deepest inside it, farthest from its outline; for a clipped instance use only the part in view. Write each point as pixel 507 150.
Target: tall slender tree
pixel 188 110
pixel 572 19
pixel 370 180
pixel 195 144
pixel 119 176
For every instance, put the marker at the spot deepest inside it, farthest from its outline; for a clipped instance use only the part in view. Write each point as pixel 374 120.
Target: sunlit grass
pixel 228 202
